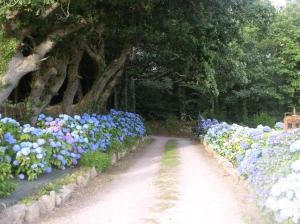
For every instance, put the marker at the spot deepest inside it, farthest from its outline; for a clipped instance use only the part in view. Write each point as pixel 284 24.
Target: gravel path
pixel 128 193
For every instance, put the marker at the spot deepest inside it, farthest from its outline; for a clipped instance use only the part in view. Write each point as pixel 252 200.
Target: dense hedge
pixel 27 151
pixel 269 159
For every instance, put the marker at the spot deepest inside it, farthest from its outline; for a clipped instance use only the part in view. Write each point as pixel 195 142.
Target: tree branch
pixel 48 11
pixel 100 84
pixel 50 41
pixel 91 52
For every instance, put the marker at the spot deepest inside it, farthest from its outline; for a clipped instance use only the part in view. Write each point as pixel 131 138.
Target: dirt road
pixel 198 191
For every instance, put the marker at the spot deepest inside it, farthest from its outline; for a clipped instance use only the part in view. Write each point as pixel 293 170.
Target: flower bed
pixel 27 151
pixel 269 160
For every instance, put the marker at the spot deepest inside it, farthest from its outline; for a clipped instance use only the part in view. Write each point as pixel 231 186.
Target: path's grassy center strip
pixel 166 182
pixel 170 156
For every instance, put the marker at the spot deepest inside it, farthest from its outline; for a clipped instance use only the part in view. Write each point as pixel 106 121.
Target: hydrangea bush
pixel 6 185
pixel 269 159
pixel 61 141
pixel 203 125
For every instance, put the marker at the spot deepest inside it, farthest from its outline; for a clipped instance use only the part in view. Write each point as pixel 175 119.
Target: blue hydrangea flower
pixel 48 170
pixel 21 176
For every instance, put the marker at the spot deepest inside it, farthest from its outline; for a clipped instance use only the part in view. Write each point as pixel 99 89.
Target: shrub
pixel 172 123
pixel 60 142
pixel 269 160
pixel 99 160
pixel 130 142
pixel 6 185
pixel 203 125
pixel 263 119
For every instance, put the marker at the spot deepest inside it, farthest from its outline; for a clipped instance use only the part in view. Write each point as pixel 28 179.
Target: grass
pixel 166 181
pixel 170 157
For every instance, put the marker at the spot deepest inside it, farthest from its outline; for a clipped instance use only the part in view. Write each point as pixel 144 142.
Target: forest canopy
pixel 231 59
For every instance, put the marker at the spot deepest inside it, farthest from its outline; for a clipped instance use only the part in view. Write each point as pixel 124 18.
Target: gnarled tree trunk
pixel 47 84
pixel 73 79
pixel 90 100
pixel 19 65
pixel 109 91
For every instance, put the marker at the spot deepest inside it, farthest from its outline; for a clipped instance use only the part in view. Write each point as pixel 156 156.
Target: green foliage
pixel 97 159
pixel 172 122
pixel 129 142
pixel 116 146
pixel 233 59
pixel 170 156
pixel 255 68
pixel 263 119
pixel 7 49
pixel 6 185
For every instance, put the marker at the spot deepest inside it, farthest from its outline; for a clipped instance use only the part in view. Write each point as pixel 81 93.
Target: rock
pixel 119 156
pixel 70 187
pixel 82 181
pixel 32 212
pixel 13 215
pixel 114 159
pixel 66 194
pixel 58 200
pixel 2 206
pixel 93 172
pixel 47 203
pixel 87 175
pixel 123 154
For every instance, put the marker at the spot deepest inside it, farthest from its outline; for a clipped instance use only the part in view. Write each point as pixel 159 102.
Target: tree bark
pixel 245 110
pixel 132 95
pixel 95 50
pixel 90 100
pixel 212 109
pixel 108 91
pixel 116 98
pixel 79 94
pixel 19 65
pixel 48 83
pixel 41 77
pixel 125 94
pixel 73 80
pixel 181 102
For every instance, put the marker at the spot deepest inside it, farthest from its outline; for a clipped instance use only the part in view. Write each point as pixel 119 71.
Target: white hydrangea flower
pixel 296 165
pixel 271 203
pixel 276 190
pixel 295 146
pixel 296 217
pixel 287 208
pixel 279 219
pixel 298 194
pixel 260 126
pixel 290 194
